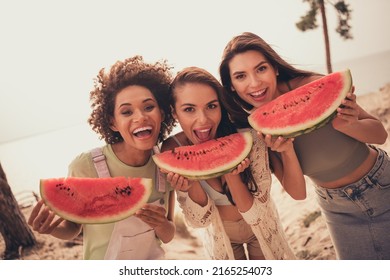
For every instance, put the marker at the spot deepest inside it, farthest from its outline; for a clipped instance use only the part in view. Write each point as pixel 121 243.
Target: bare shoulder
pixel 300 81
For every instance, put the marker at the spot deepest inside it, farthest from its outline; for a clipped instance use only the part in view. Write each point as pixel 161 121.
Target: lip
pixel 258 95
pixel 143 132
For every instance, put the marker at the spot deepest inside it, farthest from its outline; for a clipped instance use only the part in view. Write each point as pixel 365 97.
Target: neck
pixel 130 155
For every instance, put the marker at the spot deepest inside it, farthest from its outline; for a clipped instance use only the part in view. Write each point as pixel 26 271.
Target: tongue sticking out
pixel 203 135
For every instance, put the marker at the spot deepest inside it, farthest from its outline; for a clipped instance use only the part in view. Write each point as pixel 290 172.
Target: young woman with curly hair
pixel 130 111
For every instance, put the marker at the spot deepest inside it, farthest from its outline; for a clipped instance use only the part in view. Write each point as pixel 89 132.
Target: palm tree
pixel 309 21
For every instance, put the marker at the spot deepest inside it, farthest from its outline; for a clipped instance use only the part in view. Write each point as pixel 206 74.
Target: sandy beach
pixel 302 220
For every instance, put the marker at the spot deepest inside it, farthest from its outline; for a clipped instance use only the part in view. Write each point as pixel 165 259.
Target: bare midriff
pixel 229 213
pixel 355 175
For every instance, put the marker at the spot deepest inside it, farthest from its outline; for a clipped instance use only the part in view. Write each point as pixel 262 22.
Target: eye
pixel 262 68
pixel 126 112
pixel 149 108
pixel 213 106
pixel 239 77
pixel 188 109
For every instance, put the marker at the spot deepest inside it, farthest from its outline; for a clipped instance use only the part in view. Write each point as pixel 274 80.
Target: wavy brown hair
pixel 238 108
pixel 155 77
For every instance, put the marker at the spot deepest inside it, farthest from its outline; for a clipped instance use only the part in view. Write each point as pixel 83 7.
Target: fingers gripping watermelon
pixel 95 200
pixel 303 109
pixel 209 159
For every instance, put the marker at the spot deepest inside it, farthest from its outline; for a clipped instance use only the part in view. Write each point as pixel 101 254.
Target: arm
pixel 155 217
pixel 287 169
pixel 355 122
pixel 44 221
pixel 240 193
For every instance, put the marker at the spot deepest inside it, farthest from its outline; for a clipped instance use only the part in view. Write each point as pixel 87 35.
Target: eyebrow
pixel 192 105
pixel 144 101
pixel 256 66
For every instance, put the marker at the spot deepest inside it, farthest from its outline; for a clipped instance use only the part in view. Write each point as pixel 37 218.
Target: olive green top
pixel 326 154
pixel 97 236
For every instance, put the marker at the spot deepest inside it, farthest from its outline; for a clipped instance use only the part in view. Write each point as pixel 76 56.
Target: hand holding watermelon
pixel 347 114
pixel 277 144
pixel 153 215
pixel 42 219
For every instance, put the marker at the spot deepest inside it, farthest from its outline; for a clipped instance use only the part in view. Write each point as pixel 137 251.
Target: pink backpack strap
pixel 160 180
pixel 99 160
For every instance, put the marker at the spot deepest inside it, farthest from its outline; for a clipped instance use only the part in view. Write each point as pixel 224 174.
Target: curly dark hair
pixel 132 71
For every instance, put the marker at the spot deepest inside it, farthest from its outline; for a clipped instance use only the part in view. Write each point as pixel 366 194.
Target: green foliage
pixel 344 15
pixel 309 21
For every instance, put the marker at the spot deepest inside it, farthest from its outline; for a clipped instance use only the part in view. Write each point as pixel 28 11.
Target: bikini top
pixel 218 198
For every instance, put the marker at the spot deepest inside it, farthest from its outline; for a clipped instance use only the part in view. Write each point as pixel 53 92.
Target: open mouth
pixel 202 134
pixel 143 132
pixel 258 94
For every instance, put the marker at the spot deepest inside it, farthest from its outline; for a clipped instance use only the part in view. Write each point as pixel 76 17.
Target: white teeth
pixel 204 130
pixel 258 93
pixel 142 129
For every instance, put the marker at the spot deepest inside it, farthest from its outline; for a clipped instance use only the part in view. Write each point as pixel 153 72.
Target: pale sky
pixel 51 50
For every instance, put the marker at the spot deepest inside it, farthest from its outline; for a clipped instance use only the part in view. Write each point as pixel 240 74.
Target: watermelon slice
pixel 95 200
pixel 209 159
pixel 303 109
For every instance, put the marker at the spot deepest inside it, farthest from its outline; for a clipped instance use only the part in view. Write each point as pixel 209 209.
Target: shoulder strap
pixel 160 180
pixel 99 160
pixel 176 140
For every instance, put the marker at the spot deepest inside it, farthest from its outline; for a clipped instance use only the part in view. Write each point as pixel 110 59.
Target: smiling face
pixel 198 111
pixel 253 78
pixel 137 117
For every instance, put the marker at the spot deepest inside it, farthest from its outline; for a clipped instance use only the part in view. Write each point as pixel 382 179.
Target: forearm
pixel 197 194
pixel 166 231
pixel 67 230
pixel 240 193
pixel 369 131
pixel 292 180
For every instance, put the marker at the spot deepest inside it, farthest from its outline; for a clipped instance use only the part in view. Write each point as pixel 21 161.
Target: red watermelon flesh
pixel 208 159
pixel 95 200
pixel 303 109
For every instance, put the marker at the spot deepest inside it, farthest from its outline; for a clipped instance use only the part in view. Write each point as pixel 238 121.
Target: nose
pixel 202 117
pixel 139 116
pixel 254 80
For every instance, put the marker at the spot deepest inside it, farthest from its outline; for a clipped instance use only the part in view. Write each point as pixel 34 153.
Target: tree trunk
pixel 326 36
pixel 13 226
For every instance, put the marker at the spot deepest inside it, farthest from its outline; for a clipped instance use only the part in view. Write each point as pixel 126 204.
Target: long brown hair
pixel 238 108
pixel 198 75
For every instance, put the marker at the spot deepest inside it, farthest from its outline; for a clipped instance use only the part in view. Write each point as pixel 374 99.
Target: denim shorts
pixel 358 215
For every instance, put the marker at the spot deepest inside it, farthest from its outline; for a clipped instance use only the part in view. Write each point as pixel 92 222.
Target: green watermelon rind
pixel 208 176
pixel 104 219
pixel 212 173
pixel 306 127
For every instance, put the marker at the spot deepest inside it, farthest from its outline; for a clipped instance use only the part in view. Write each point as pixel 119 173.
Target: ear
pixel 113 125
pixel 173 111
